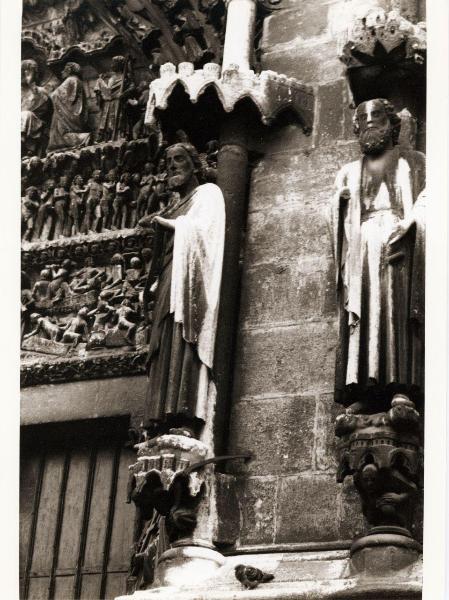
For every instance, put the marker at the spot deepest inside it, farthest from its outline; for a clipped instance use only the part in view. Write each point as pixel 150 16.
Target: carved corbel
pixel 383 50
pixel 383 454
pixel 169 484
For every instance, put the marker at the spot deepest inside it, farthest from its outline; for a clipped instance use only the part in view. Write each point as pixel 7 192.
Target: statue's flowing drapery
pixel 381 287
pixel 189 267
pixel 69 115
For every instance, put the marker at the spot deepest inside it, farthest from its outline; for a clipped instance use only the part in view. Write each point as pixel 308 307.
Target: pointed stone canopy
pixel 270 92
pixel 380 34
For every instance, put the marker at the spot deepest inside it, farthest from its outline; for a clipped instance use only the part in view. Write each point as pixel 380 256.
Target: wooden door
pixel 75 526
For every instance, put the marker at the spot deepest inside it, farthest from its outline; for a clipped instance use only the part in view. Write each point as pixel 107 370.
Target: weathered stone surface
pixel 304 21
pixel 293 231
pixel 280 431
pixel 83 400
pixel 257 500
pixel 350 513
pixel 307 509
pixel 303 286
pixel 310 62
pixel 283 179
pixel 286 360
pixel 332 104
pixel 227 527
pixel 324 458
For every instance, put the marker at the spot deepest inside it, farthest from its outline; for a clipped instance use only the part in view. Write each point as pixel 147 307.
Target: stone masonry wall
pixel 283 408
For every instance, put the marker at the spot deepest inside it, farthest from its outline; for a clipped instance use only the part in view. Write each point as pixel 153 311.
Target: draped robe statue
pixel 379 245
pixel 69 122
pixel 36 108
pixel 187 268
pixel 112 93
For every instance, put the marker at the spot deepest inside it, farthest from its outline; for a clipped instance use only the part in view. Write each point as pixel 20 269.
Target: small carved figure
pixel 69 122
pixel 61 203
pixel 121 202
pixel 43 327
pixel 46 212
pixel 106 202
pixel 108 158
pixel 94 193
pixel 77 195
pixel 30 206
pixel 77 329
pixel 379 253
pixel 135 190
pixel 112 93
pixel 88 278
pixel 146 186
pixel 126 320
pixel 59 288
pixel 250 577
pixel 36 109
pixel 41 289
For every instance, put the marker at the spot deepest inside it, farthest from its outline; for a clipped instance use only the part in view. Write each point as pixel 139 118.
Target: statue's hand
pixel 168 223
pixel 399 232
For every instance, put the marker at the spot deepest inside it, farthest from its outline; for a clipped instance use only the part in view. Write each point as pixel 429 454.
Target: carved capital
pixel 380 36
pixel 383 453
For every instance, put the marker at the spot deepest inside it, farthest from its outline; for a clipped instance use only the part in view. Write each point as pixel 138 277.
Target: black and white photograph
pixel 233 280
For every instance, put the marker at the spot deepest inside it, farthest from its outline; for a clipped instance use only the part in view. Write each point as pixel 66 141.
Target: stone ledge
pixel 295 579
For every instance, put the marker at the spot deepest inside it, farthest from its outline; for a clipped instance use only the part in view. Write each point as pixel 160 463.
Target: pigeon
pixel 250 577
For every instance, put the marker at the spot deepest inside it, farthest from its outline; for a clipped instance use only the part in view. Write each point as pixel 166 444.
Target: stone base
pixel 324 575
pixel 384 550
pixel 187 565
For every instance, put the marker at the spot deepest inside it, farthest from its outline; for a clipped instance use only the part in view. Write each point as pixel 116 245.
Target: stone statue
pixel 69 122
pixel 36 110
pixel 77 193
pixel 43 327
pixel 30 206
pixel 77 329
pixel 106 201
pixel 185 278
pixel 146 186
pixel 61 204
pixel 378 232
pixel 94 193
pixel 46 211
pixel 111 93
pixel 121 202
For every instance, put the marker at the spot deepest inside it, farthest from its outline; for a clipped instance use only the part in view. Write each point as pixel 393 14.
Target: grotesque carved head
pixel 183 163
pixel 377 125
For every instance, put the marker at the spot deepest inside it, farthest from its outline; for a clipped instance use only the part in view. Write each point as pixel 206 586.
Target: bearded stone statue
pixel 184 283
pixel 379 244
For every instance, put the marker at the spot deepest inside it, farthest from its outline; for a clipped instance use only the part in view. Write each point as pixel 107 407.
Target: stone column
pixel 239 39
pixel 232 178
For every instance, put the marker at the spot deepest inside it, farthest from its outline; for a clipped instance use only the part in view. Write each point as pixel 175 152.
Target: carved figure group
pixel 99 306
pixel 94 190
pixel 58 120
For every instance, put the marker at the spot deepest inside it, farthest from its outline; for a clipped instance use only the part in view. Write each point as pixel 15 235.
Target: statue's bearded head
pixel 183 164
pixel 377 125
